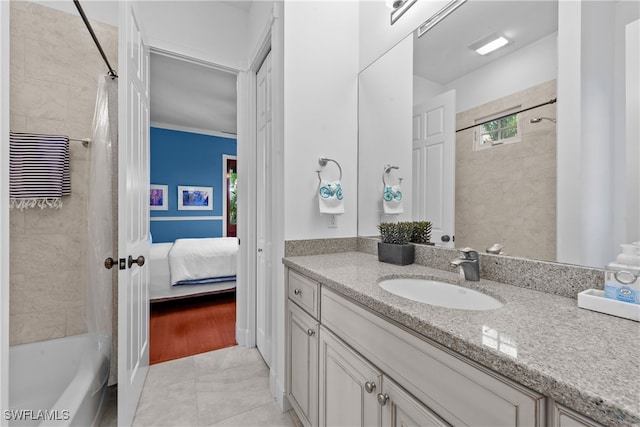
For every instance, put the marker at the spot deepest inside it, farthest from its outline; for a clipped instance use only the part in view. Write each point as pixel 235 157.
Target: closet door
pixel 133 214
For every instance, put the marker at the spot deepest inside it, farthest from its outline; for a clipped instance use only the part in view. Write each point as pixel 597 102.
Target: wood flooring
pixel 184 327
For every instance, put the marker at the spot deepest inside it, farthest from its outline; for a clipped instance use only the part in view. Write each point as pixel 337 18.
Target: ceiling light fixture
pixel 489 43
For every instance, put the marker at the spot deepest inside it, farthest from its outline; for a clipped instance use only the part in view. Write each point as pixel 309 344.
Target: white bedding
pixel 192 259
pixel 160 274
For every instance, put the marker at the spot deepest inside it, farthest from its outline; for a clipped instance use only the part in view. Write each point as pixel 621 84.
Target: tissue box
pixel 622 284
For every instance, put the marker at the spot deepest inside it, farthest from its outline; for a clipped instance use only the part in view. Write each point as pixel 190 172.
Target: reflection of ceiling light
pixel 489 44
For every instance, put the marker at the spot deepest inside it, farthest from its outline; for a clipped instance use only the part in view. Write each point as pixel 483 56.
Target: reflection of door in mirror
pixel 434 161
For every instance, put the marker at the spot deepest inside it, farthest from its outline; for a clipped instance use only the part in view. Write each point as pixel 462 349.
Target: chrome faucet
pixel 469 264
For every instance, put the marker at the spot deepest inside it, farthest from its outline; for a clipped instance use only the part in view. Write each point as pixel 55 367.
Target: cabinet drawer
pixel 459 391
pixel 304 292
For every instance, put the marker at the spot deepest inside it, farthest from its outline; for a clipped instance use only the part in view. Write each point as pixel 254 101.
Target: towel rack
pixel 387 170
pixel 322 161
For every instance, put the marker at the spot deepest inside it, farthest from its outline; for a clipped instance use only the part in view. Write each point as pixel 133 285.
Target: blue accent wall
pixel 185 158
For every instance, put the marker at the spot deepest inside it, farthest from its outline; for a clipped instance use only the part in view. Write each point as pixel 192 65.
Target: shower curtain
pixel 102 214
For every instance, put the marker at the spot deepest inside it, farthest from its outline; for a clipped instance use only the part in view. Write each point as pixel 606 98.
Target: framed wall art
pixel 158 197
pixel 192 198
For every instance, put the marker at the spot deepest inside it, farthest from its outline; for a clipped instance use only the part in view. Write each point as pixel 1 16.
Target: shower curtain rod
pixel 551 101
pixel 111 73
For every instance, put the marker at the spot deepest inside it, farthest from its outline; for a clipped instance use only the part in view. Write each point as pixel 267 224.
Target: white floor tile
pixel 227 387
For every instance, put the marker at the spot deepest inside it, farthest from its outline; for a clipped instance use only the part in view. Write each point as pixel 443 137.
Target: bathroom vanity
pixel 359 355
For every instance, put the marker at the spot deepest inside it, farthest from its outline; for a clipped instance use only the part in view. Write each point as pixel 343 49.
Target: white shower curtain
pixel 102 213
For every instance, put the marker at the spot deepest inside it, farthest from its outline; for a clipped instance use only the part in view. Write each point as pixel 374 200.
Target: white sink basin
pixel 440 293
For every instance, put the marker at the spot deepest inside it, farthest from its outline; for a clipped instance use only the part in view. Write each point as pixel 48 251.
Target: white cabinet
pixel 457 390
pixel 400 409
pixel 349 385
pixel 302 364
pixel 347 366
pixel 565 417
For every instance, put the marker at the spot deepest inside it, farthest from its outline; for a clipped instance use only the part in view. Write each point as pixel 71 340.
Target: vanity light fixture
pixel 489 43
pixel 439 16
pixel 399 8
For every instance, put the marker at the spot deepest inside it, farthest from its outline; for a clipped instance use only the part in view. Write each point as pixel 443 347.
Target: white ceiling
pixel 186 94
pixel 189 95
pixel 442 54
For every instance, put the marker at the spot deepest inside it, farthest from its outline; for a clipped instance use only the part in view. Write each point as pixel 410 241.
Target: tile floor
pixel 227 387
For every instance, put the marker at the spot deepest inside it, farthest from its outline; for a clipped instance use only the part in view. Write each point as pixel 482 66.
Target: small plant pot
pixel 395 254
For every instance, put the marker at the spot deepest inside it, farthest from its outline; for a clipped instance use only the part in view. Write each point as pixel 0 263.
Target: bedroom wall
pixel 185 158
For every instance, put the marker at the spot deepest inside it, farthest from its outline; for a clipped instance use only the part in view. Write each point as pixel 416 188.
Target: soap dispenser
pixel 622 277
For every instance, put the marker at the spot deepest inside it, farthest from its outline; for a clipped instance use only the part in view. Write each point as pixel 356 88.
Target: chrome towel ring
pixel 322 161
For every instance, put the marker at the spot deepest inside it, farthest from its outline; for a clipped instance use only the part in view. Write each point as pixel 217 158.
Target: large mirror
pixel 471 140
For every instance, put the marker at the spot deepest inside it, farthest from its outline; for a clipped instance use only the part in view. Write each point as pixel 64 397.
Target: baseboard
pixel 242 336
pixel 278 392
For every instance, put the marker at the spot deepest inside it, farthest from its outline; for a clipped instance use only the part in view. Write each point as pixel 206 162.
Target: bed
pixel 191 267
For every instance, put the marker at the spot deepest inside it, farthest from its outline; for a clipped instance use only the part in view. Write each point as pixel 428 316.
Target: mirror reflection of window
pixel 505 129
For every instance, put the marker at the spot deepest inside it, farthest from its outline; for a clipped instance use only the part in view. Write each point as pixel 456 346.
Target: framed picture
pixel 158 197
pixel 195 198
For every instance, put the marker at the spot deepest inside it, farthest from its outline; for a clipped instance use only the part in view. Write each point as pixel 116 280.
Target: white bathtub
pixel 60 382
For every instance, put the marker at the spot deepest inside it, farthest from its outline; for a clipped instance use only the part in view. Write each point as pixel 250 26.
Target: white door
pixel 434 160
pixel 263 196
pixel 133 214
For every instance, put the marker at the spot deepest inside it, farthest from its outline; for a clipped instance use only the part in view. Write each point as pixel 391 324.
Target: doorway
pixel 193 144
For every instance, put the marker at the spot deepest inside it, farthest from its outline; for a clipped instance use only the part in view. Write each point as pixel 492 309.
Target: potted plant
pixel 422 233
pixel 394 246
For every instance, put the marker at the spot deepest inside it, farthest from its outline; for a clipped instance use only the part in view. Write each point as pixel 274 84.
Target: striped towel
pixel 39 170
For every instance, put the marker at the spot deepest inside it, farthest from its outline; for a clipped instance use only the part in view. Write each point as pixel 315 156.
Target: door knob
pixel 109 263
pixel 311 332
pixel 297 291
pixel 445 238
pixel 139 261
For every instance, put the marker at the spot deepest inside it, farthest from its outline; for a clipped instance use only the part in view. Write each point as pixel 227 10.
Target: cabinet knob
pixel 369 386
pixel 297 291
pixel 382 399
pixel 310 332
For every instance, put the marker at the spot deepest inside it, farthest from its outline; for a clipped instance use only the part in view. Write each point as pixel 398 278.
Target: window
pixel 501 128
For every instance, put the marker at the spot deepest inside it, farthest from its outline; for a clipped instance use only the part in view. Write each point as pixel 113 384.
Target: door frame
pixel 271 39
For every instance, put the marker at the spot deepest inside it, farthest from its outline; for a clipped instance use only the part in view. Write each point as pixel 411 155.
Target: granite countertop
pixel 585 360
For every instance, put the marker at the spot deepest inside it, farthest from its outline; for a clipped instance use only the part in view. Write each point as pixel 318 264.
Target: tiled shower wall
pixel 54 72
pixel 507 193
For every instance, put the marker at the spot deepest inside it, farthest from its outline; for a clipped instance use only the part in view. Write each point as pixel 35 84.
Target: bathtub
pixel 59 382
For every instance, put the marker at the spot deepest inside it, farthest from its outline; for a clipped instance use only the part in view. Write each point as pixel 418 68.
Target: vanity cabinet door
pixel 302 364
pixel 349 385
pixel 399 408
pixel 565 417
